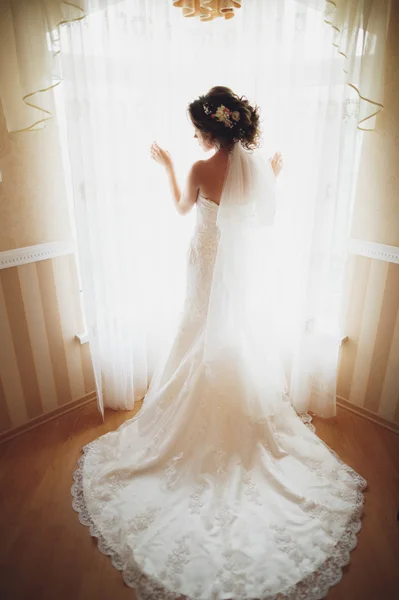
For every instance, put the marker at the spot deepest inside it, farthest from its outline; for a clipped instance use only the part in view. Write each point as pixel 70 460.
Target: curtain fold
pixel 360 29
pixel 29 47
pixel 29 58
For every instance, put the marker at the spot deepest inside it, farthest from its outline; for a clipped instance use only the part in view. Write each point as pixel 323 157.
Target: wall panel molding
pixel 29 254
pixel 374 250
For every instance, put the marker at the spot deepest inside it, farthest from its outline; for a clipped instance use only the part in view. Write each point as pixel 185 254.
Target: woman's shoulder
pixel 205 168
pixel 199 170
pixel 200 165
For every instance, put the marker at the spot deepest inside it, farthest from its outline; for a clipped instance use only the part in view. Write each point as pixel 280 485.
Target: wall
pixel 369 366
pixel 33 207
pixel 43 368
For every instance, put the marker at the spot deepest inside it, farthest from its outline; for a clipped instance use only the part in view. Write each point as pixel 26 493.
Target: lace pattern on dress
pixel 314 587
pixel 307 420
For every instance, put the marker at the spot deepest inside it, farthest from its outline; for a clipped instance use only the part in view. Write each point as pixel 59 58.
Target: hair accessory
pixel 223 115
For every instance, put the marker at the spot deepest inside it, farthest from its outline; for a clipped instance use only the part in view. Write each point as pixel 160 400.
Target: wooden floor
pixel 46 554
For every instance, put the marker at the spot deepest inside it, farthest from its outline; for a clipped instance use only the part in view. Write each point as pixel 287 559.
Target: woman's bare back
pixel 212 174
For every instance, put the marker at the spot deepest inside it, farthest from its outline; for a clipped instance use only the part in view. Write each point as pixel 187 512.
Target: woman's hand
pixel 276 163
pixel 161 156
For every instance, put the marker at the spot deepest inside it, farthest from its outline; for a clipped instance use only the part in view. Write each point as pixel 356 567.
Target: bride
pixel 217 489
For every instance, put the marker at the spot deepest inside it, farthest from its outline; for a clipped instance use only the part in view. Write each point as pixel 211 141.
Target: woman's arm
pixel 183 202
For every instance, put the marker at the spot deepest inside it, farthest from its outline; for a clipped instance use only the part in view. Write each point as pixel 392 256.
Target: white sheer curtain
pixel 30 32
pixel 312 117
pixel 129 72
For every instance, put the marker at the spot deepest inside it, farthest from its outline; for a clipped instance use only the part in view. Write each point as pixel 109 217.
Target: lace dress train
pixel 194 499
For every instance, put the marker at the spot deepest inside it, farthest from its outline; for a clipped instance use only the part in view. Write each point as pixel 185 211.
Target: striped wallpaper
pixel 42 366
pixel 369 359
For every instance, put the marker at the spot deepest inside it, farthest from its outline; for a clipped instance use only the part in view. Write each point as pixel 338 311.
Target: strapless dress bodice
pixel 207 212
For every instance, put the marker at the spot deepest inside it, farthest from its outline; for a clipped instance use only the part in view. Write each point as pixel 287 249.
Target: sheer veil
pixel 241 332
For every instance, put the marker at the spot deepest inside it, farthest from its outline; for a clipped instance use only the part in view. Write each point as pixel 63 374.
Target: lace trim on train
pixel 313 587
pixel 307 420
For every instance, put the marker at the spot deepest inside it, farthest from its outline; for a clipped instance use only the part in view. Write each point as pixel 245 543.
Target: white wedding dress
pixel 195 498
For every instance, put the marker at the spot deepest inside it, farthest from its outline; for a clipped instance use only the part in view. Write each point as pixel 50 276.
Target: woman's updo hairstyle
pixel 226 118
